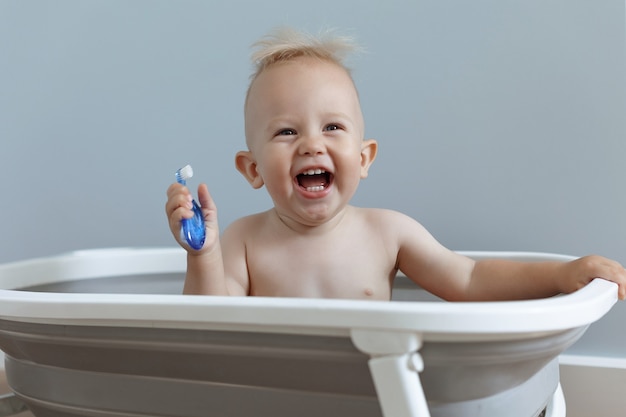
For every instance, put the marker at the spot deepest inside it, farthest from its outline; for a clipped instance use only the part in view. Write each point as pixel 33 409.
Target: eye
pixel 285 132
pixel 332 127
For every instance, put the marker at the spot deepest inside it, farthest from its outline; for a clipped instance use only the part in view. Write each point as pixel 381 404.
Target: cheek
pixel 274 167
pixel 353 160
pixel 351 170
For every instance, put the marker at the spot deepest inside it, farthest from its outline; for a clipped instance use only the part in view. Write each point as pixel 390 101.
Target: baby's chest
pixel 320 273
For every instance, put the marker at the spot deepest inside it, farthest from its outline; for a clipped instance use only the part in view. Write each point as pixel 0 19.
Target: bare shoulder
pixel 403 233
pixel 249 220
pixel 245 226
pixel 391 221
pixel 378 214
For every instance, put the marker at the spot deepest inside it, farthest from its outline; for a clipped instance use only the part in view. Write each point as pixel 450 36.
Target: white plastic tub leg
pixel 395 365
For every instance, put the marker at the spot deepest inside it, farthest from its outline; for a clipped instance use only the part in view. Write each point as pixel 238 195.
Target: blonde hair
pixel 285 44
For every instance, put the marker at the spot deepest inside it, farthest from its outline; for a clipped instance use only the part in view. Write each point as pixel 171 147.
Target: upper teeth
pixel 314 171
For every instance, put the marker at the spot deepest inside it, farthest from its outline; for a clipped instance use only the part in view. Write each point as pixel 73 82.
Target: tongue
pixel 312 180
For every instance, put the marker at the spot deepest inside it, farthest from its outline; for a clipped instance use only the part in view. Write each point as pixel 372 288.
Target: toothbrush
pixel 192 230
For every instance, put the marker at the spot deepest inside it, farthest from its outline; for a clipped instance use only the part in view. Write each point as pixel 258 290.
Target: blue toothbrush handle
pixel 193 230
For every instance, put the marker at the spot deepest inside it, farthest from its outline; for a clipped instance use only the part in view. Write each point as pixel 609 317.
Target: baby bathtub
pixel 106 333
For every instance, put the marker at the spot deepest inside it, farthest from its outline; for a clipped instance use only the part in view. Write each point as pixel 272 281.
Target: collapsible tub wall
pixel 97 353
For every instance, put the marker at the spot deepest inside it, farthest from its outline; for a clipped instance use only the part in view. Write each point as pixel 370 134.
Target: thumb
pixel 206 202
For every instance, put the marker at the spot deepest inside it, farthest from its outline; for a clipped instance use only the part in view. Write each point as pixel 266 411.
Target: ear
pixel 368 154
pixel 246 164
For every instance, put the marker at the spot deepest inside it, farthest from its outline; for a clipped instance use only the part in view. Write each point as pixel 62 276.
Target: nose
pixel 312 145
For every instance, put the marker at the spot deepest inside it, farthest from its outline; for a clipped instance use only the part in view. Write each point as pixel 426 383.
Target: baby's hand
pixel 578 273
pixel 179 206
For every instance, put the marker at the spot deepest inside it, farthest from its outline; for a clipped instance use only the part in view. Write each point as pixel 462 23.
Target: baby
pixel 305 138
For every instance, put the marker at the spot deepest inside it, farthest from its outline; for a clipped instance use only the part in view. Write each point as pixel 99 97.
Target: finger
pixel 176 189
pixel 176 202
pixel 616 273
pixel 622 282
pixel 204 198
pixel 178 199
pixel 209 209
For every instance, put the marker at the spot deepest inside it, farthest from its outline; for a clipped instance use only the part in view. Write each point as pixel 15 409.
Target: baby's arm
pixel 205 267
pixel 455 277
pixel 499 279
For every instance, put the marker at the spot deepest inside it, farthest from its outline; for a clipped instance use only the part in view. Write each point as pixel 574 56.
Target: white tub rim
pixel 434 320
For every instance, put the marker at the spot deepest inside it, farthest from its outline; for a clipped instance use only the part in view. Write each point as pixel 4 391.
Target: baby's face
pixel 304 129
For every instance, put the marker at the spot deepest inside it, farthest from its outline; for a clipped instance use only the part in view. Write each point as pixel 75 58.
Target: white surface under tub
pixel 118 353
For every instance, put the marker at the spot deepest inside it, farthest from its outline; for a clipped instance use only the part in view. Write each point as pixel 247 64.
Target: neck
pixel 294 226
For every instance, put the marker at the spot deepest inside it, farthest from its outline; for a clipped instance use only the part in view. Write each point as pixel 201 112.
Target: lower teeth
pixel 316 188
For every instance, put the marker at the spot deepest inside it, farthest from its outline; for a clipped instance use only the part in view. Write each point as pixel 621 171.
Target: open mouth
pixel 314 180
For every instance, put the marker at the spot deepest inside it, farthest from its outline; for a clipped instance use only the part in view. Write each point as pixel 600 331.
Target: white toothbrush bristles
pixel 186 172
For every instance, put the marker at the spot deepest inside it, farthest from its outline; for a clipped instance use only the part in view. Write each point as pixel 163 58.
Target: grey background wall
pixel 501 123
